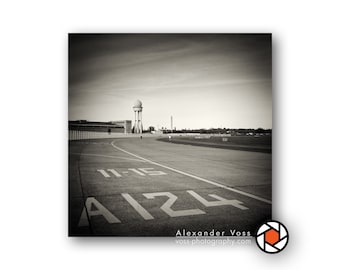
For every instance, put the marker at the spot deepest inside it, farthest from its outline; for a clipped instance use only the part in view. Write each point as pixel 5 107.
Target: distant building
pixel 123 126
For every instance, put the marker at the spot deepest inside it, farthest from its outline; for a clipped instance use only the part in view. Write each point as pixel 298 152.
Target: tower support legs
pixel 138 127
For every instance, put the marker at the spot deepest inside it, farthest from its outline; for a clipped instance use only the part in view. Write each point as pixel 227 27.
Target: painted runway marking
pixel 114 172
pixel 220 201
pixel 194 176
pixel 93 207
pixel 101 211
pixel 136 171
pixel 150 171
pixel 166 207
pixel 140 209
pixel 139 171
pixel 104 173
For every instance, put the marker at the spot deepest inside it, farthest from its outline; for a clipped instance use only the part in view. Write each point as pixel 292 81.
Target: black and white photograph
pixel 169 134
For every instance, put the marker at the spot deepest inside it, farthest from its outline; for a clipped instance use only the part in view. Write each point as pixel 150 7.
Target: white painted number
pixel 150 172
pixel 220 201
pixel 166 207
pixel 140 209
pixel 100 210
pixel 139 171
pixel 104 173
pixel 114 172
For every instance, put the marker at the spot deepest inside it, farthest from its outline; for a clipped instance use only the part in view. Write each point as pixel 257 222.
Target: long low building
pixel 123 126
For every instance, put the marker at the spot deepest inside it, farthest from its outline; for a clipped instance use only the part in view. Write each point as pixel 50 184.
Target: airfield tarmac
pixel 147 187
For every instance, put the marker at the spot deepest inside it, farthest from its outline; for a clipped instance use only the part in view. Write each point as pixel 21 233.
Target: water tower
pixel 137 108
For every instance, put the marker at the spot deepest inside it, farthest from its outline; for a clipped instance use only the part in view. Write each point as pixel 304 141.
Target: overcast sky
pixel 203 81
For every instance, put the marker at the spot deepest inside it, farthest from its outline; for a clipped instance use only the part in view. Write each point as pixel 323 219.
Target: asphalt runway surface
pixel 146 187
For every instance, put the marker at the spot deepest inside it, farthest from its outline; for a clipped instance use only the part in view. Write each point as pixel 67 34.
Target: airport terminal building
pixel 123 127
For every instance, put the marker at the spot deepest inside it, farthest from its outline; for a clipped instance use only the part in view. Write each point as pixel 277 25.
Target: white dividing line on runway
pixel 194 176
